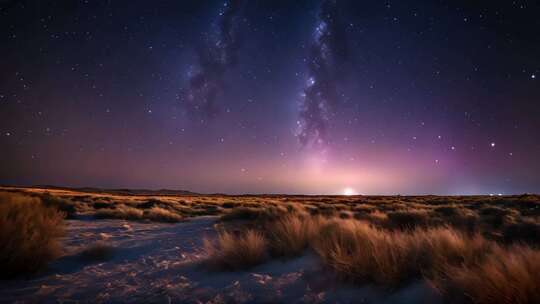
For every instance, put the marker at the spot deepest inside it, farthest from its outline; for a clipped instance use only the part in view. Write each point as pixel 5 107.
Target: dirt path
pixel 160 263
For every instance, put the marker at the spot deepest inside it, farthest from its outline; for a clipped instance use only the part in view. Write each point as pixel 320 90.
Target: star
pixel 492 144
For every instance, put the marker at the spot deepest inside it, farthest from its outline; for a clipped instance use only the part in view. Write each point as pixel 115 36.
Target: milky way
pixel 320 97
pixel 215 56
pixel 272 96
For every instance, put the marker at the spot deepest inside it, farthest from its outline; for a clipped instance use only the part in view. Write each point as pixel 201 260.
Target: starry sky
pixel 312 97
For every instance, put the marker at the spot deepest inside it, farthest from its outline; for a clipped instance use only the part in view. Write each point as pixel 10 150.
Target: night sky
pixel 382 97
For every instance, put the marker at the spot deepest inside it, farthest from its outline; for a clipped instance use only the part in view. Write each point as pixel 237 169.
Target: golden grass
pixel 29 233
pixel 512 219
pixel 156 214
pixel 363 254
pixel 464 267
pixel 505 276
pixel 234 252
pixel 291 234
pixel 121 212
pixel 161 215
pixel 461 265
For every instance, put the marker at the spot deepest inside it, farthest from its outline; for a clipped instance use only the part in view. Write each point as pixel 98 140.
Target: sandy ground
pixel 161 263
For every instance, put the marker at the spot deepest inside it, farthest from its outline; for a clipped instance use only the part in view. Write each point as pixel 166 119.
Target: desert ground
pixel 113 246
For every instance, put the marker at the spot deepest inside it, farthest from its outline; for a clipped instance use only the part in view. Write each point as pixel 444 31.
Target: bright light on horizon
pixel 349 191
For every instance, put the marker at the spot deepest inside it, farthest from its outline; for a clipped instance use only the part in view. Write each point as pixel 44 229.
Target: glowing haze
pixel 314 97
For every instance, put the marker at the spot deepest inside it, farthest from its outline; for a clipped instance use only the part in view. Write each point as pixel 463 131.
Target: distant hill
pixel 120 191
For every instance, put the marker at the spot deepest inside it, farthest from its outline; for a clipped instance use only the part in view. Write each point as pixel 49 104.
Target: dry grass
pixel 291 235
pixel 262 213
pixel 121 212
pixel 505 276
pixel 512 219
pixel 524 231
pixel 234 252
pixel 409 219
pixel 161 215
pixel 29 233
pixel 462 266
pixel 472 248
pixel 242 213
pixel 355 250
pixel 62 204
pixel 156 214
pixel 363 254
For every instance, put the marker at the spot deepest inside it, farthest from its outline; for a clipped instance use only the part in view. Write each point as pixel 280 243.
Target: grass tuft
pixel 291 235
pixel 120 212
pixel 29 233
pixel 162 215
pixel 236 252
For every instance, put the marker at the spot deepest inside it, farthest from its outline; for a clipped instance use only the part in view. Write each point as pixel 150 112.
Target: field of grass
pixel 470 249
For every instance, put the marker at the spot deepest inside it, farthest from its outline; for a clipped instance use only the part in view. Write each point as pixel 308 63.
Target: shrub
pixel 459 218
pixel 151 203
pixel 242 213
pixel 65 205
pixel 448 211
pixel 377 217
pixel 29 233
pixel 408 219
pixel 526 231
pixel 493 211
pixel 125 212
pixel 496 216
pixel 120 212
pixel 234 252
pixel 251 214
pixel 363 208
pixel 203 209
pixel 161 215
